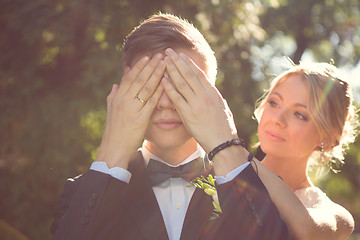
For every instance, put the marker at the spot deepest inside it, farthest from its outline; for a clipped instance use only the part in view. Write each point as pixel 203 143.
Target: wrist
pixel 228 159
pixel 113 158
pixel 227 144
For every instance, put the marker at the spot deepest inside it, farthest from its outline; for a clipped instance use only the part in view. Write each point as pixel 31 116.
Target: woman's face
pixel 286 129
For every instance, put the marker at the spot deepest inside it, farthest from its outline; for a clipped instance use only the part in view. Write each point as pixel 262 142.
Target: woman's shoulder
pixel 321 206
pixel 312 196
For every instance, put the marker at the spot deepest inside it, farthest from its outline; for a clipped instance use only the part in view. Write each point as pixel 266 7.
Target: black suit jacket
pixel 98 206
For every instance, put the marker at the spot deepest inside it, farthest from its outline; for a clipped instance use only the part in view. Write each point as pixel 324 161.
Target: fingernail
pixel 145 59
pixel 166 75
pixel 159 55
pixel 169 51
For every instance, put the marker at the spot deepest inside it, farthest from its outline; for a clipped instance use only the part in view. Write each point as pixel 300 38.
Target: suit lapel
pixel 199 211
pixel 144 207
pixel 197 215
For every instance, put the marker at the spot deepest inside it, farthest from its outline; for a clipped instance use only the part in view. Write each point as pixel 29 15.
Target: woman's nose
pixel 279 118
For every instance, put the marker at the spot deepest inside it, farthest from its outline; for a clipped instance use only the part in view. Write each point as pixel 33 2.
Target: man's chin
pixel 167 142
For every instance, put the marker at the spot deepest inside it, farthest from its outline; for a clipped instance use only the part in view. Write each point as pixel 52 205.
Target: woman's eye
pixel 300 116
pixel 272 103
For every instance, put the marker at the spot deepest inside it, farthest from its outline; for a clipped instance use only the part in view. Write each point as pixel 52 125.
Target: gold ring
pixel 138 98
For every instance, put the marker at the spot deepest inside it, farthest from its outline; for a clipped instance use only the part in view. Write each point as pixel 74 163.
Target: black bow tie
pixel 159 172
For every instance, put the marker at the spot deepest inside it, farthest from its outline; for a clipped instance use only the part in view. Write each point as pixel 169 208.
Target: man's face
pixel 166 130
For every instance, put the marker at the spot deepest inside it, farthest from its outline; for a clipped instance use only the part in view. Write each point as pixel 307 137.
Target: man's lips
pixel 274 137
pixel 167 124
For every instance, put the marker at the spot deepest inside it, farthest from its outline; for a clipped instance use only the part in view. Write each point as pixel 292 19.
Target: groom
pixel 145 194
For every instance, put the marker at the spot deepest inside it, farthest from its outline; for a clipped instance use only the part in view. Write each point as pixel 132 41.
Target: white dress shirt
pixel 173 195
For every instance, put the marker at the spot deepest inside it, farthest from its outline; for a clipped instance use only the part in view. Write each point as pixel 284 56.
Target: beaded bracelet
pixel 235 141
pixel 251 158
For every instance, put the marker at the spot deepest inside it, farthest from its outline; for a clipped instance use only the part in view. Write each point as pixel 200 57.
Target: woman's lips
pixel 274 137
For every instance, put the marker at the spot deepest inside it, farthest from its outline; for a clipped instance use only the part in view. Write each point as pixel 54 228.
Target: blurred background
pixel 59 59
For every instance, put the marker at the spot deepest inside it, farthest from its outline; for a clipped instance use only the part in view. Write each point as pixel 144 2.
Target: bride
pixel 306 116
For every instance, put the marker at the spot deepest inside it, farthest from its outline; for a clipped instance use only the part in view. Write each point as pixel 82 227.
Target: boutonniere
pixel 208 185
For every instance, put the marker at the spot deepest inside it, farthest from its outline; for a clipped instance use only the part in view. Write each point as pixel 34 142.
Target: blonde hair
pixel 331 108
pixel 162 31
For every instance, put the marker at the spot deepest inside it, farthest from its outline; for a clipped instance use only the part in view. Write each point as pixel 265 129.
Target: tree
pixel 326 28
pixel 60 58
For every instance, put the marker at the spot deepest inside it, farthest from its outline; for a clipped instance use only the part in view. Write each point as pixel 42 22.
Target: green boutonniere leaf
pixel 208 185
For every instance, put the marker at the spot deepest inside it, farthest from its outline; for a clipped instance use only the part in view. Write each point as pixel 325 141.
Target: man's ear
pixel 127 70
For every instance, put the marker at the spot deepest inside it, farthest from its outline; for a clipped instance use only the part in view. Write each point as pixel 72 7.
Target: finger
pixel 128 78
pixel 153 100
pixel 181 85
pixel 185 69
pixel 145 74
pixel 200 74
pixel 151 85
pixel 177 99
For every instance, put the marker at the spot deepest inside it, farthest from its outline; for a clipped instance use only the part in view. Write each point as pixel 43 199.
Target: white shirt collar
pixel 147 155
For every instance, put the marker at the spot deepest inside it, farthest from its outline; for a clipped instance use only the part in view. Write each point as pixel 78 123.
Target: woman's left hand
pixel 200 105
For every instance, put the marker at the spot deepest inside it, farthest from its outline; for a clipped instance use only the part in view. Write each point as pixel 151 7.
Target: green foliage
pixel 327 28
pixel 208 185
pixel 60 58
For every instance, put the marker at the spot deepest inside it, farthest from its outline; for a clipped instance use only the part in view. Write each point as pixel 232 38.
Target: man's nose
pixel 165 102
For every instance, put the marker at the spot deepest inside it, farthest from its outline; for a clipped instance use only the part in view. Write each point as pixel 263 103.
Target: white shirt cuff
pixel 231 175
pixel 116 172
